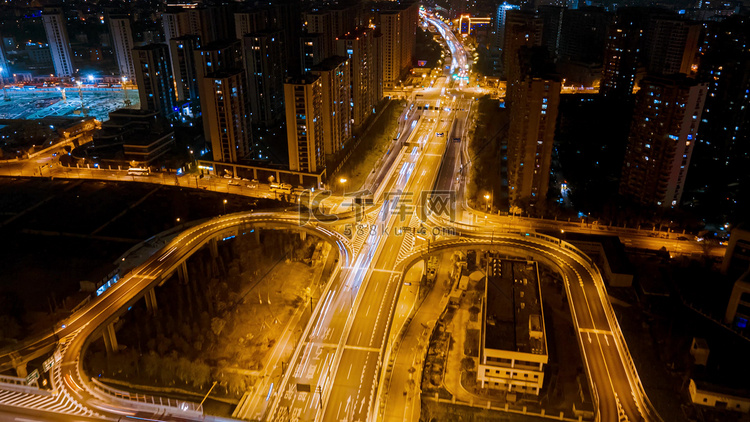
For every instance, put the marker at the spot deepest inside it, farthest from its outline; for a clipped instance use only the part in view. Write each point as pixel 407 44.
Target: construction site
pixel 31 102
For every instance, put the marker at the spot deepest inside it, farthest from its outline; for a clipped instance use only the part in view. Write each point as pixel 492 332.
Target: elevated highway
pixel 336 371
pixel 72 335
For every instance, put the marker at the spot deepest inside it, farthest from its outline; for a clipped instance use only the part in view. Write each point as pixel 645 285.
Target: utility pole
pixel 209 392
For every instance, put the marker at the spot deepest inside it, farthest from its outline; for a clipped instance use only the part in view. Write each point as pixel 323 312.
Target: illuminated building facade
pixel 522 29
pixel 182 49
pixel 264 66
pixel 122 41
pixel 361 47
pixel 57 36
pixel 335 74
pixel 303 99
pixel 531 136
pixel 153 75
pixel 226 116
pixel 399 28
pixel 621 53
pixel 663 134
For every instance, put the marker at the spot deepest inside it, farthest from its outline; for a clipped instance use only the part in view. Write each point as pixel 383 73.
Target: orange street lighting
pixel 343 182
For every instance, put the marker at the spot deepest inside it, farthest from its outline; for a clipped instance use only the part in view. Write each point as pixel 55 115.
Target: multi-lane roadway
pixel 336 369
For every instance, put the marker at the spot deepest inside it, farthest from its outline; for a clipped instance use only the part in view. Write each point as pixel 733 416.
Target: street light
pixel 343 182
pixel 487 197
pixel 225 206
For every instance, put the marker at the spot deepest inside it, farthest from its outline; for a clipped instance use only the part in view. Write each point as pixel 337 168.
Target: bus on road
pixel 138 171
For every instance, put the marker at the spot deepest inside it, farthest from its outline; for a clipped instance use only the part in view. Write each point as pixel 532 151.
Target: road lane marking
pixel 363 348
pixel 595 331
pixel 385 271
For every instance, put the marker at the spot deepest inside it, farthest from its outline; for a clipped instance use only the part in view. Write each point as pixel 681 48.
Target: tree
pixel 235 383
pixel 151 364
pixel 201 374
pixel 217 324
pixel 184 370
pixel 168 369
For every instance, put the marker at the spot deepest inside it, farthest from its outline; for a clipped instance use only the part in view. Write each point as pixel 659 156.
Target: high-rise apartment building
pixel 226 116
pixel 250 21
pixel 319 22
pixel 153 75
pixel 670 45
pixel 303 100
pixel 344 19
pixel 286 15
pixel 335 73
pixel 361 47
pixel 175 23
pixel 182 50
pixel 552 20
pixel 622 53
pixel 4 71
pixel 59 44
pixel 122 41
pixel 223 84
pixel 312 50
pixel 398 24
pixel 178 21
pixel 663 134
pixel 584 34
pixel 723 149
pixel 522 29
pixel 264 66
pixel 219 56
pixel 204 22
pixel 499 39
pixel 532 130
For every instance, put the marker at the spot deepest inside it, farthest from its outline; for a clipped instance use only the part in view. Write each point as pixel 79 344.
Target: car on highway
pixel 440 134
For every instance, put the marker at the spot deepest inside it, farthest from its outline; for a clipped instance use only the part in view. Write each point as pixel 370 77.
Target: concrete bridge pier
pixel 18 364
pixel 256 235
pixel 21 371
pixel 302 235
pixel 213 246
pixel 182 273
pixel 110 338
pixel 151 305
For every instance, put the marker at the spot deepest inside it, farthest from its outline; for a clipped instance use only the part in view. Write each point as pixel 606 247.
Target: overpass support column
pixel 182 273
pixel 110 338
pixel 257 235
pixel 21 371
pixel 214 248
pixel 302 235
pixel 151 301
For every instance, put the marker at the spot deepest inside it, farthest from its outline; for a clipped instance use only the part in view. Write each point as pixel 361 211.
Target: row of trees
pixel 171 370
pixel 189 341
